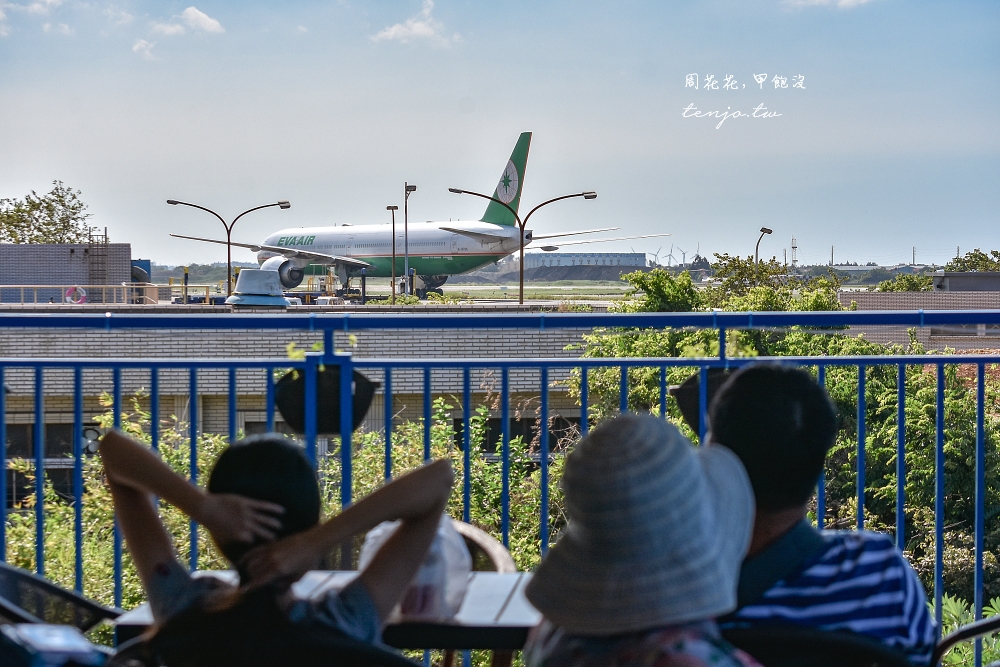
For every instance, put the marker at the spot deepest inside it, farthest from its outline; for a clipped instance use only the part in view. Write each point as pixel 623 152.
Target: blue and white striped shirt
pixel 859 583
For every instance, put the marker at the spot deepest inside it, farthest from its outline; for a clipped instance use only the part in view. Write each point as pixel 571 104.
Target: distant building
pixel 62 264
pixel 966 281
pixel 535 260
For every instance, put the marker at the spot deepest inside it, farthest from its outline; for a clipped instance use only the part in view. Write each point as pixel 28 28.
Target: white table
pixel 494 614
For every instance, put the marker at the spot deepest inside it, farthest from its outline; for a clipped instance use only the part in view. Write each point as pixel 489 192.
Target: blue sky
pixel 892 143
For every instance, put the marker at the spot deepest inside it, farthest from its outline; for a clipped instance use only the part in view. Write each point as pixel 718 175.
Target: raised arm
pixel 417 498
pixel 135 474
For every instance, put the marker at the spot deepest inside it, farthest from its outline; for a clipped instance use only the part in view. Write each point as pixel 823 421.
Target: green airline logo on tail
pixel 509 188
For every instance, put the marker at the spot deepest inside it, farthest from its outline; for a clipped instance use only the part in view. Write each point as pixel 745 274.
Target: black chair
pixel 791 646
pixel 28 598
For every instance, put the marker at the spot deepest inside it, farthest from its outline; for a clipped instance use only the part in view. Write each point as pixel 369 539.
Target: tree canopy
pixel 977 260
pixel 59 216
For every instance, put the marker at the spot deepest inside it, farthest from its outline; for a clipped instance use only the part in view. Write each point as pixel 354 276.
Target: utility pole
pixel 393 209
pixel 795 247
pixel 407 189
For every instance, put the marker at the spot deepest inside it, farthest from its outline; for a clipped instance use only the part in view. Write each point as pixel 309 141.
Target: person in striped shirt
pixel 781 423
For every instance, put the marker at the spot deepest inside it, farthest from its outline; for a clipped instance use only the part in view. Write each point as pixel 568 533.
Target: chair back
pixel 28 598
pixel 488 555
pixel 791 646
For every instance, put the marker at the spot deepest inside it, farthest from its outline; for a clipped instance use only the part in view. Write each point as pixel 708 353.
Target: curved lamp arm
pixel 174 202
pixel 281 204
pixel 476 194
pixel 585 195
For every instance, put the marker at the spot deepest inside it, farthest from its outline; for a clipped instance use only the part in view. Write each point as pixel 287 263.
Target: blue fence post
pixel 387 404
pixel 505 455
pixel 663 392
pixel 77 479
pixel 311 371
pixel 939 499
pixel 193 453
pixel 861 446
pixel 269 391
pixel 623 390
pixel 821 484
pixel 232 404
pixel 702 405
pixel 154 408
pixel 346 430
pixel 901 457
pixel 116 416
pixel 544 458
pixel 584 397
pixel 980 498
pixel 3 468
pixel 39 445
pixel 466 445
pixel 427 413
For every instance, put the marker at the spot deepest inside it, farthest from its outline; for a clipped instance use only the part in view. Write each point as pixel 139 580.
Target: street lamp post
pixel 393 209
pixel 756 250
pixel 407 189
pixel 229 232
pixel 522 223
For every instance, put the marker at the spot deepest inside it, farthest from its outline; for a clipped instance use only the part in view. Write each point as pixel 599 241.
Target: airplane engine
pixel 433 282
pixel 290 275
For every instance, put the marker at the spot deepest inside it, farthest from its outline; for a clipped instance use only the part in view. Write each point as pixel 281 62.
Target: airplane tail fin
pixel 509 188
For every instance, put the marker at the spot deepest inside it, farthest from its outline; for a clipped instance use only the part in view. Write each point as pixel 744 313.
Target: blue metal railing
pixel 328 325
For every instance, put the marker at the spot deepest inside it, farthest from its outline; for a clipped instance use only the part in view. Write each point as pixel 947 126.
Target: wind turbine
pixel 683 256
pixel 670 257
pixel 656 256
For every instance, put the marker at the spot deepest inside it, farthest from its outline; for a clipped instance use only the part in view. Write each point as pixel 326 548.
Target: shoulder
pixel 695 645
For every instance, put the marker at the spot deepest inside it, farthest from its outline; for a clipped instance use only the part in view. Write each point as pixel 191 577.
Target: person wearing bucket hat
pixel 650 556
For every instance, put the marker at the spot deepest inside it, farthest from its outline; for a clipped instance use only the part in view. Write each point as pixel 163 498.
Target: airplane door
pixel 350 245
pixel 454 243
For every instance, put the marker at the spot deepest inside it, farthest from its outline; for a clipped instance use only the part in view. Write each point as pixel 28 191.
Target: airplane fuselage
pixel 433 251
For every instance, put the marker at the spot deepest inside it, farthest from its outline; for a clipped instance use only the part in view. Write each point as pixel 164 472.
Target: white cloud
pixel 4 27
pixel 117 16
pixel 199 20
pixel 302 28
pixel 421 26
pixel 168 28
pixel 842 4
pixel 144 48
pixel 39 6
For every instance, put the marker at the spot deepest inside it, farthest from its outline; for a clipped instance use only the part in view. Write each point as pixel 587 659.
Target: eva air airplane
pixel 437 250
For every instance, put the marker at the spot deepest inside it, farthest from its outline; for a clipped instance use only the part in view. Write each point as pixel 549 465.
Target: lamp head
pixel 392 208
pixel 765 230
pixel 173 202
pixel 590 195
pixel 411 188
pixel 284 204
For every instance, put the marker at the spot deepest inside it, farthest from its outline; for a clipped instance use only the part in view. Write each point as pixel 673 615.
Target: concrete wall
pixel 935 338
pixel 60 264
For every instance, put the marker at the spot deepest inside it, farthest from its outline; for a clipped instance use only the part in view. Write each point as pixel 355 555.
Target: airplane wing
pixel 538 237
pixel 318 257
pixel 550 248
pixel 479 236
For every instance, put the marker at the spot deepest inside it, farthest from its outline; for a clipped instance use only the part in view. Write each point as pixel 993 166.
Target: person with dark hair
pixel 781 424
pixel 262 510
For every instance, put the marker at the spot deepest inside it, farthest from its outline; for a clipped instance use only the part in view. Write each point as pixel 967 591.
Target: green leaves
pixel 977 260
pixel 56 217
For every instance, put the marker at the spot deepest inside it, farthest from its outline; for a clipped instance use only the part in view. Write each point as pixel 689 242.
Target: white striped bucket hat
pixel 656 535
